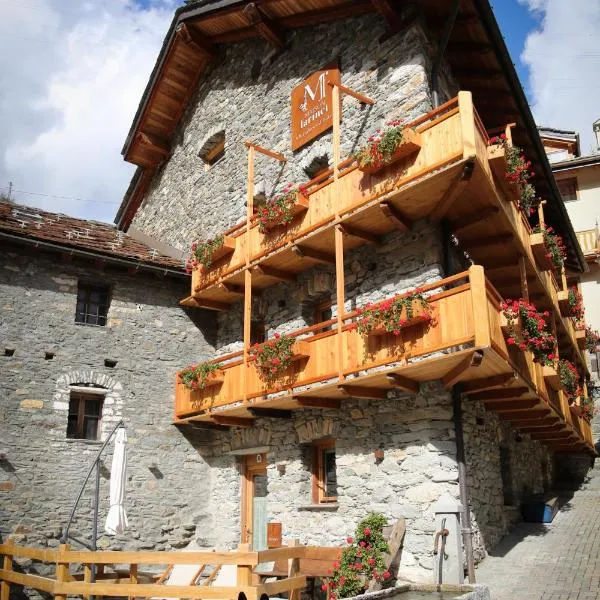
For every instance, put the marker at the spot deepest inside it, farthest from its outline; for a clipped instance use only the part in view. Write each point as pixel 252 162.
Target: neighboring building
pixel 578 179
pixel 358 423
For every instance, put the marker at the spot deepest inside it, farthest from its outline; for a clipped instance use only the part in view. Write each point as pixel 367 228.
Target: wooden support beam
pixel 531 415
pixel 268 29
pixel 271 413
pixel 194 39
pixel 453 191
pixel 486 383
pixel 523 278
pixel 367 236
pixel 266 151
pixel 369 393
pixel 275 273
pixel 482 242
pixel 231 288
pixel 515 392
pixel 475 218
pixel 500 406
pixel 208 304
pixel 455 374
pixel 544 429
pixel 558 435
pixel 316 402
pixel 306 252
pixel 356 95
pixel 395 216
pixel 544 422
pixel 154 143
pixel 207 425
pixel 232 421
pixel 403 383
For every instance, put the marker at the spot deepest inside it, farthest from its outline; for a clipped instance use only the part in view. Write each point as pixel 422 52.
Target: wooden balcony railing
pixel 463 343
pixel 589 240
pixel 455 175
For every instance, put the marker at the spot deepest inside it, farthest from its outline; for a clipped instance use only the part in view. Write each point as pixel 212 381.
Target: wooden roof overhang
pixel 476 54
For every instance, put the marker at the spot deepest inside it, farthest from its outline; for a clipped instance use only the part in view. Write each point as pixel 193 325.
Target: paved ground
pixel 559 561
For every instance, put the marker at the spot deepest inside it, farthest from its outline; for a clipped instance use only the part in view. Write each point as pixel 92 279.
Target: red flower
pixel 367 531
pixel 349 539
pixel 324 587
pixel 386 575
pixel 510 341
pixel 277 336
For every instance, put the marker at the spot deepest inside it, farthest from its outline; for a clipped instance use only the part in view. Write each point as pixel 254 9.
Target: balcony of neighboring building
pixel 462 341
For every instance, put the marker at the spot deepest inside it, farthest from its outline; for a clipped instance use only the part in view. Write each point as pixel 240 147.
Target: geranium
pixel 587 408
pixel 534 333
pixel 569 378
pixel 394 314
pixel 576 304
pixel 381 145
pixel 518 172
pixel 279 210
pixel 592 339
pixel 555 247
pixel 202 253
pixel 195 377
pixel 363 562
pixel 272 358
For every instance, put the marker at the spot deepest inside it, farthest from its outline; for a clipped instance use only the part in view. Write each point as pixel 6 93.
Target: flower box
pixel 411 143
pixel 497 161
pixel 212 379
pixel 540 252
pixel 299 206
pixel 551 377
pixel 420 315
pixel 300 350
pixel 580 337
pixel 504 326
pixel 226 249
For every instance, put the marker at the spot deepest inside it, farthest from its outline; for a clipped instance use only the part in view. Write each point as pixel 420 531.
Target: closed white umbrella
pixel 116 521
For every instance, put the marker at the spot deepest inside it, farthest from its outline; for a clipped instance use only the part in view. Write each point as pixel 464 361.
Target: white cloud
pixel 563 56
pixel 71 76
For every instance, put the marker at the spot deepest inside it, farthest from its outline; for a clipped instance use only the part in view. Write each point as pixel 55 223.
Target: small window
pixel 213 149
pixel 92 304
pixel 323 312
pixel 568 189
pixel 324 476
pixel 85 412
pixel 257 332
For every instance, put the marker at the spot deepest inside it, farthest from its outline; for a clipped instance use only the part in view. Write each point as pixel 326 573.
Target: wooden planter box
pixel 551 377
pixel 505 327
pixel 411 143
pixel 420 315
pixel 580 337
pixel 538 246
pixel 563 303
pixel 300 350
pixel 215 378
pixel 497 161
pixel 300 206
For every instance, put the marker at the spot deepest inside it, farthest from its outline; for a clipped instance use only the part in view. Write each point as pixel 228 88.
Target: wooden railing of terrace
pixel 127 582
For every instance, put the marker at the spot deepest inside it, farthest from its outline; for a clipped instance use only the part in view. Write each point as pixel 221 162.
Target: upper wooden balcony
pixel 589 240
pixel 464 343
pixel 454 176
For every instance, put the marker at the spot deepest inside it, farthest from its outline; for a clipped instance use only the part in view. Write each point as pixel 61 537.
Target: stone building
pixel 357 423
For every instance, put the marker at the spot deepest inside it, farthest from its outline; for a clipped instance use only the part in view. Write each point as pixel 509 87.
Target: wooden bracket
pixel 475 218
pixel 494 240
pixel 315 402
pixel 206 425
pixel 455 374
pixel 232 421
pixel 395 216
pixel 454 190
pixel 275 273
pixel 272 413
pixel 264 26
pixel 231 288
pixel 306 252
pixel 367 236
pixel 511 393
pixel 208 304
pixel 369 393
pixel 403 383
pixel 487 383
pixel 154 143
pixel 501 406
pixel 194 39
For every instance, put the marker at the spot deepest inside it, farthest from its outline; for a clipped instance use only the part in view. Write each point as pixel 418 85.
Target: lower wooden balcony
pixel 464 343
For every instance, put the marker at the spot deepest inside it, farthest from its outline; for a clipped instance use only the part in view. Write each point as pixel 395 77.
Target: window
pixel 568 189
pixel 257 332
pixel 324 476
pixel 85 412
pixel 92 304
pixel 213 149
pixel 323 312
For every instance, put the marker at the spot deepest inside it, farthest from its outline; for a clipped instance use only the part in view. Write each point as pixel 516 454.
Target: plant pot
pixel 551 377
pixel 497 162
pixel 213 379
pixel 411 143
pixel 300 206
pixel 580 337
pixel 538 247
pixel 420 315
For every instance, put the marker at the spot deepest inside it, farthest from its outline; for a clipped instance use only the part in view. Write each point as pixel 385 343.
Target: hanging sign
pixel 312 105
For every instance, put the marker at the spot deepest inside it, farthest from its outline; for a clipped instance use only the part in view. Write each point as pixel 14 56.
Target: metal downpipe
pixel 467 531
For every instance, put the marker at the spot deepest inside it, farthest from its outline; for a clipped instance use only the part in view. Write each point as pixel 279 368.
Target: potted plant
pixel 387 146
pixel 549 249
pixel 273 358
pixel 203 375
pixel 587 408
pixel 362 563
pixel 394 315
pixel 592 339
pixel 569 380
pixel 282 208
pixel 204 253
pixel 517 172
pixel 571 304
pixel 527 329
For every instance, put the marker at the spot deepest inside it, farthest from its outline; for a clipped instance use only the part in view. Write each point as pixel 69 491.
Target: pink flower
pixel 349 539
pixel 386 575
pixel 367 531
pixel 277 336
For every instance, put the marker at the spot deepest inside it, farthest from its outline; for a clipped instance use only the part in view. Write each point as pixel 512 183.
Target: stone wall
pixel 150 337
pixel 530 471
pixel 417 435
pixel 247 94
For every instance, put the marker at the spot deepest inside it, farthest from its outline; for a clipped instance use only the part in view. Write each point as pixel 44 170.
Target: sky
pixel 72 73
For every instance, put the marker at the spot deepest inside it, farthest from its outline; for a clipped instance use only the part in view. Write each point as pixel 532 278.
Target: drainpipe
pixel 467 531
pixel 441 51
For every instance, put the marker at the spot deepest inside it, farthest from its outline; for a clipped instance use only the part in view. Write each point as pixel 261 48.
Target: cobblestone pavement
pixel 558 561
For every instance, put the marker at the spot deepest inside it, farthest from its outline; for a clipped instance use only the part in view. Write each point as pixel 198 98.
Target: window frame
pixel 258 331
pixel 565 180
pixel 318 479
pixel 80 429
pixel 319 309
pixel 105 294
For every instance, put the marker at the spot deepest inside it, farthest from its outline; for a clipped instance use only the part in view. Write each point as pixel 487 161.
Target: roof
pixel 476 53
pixel 561 132
pixel 24 223
pixel 577 163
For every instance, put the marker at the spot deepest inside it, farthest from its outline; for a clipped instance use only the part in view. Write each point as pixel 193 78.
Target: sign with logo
pixel 312 105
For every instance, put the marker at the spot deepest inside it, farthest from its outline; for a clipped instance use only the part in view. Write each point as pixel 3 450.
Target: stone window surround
pixel 112 406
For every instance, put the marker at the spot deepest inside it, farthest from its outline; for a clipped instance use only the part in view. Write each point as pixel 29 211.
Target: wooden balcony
pixel 589 240
pixel 455 175
pixel 463 344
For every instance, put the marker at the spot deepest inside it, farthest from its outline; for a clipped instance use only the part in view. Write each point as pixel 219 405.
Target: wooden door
pixel 254 501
